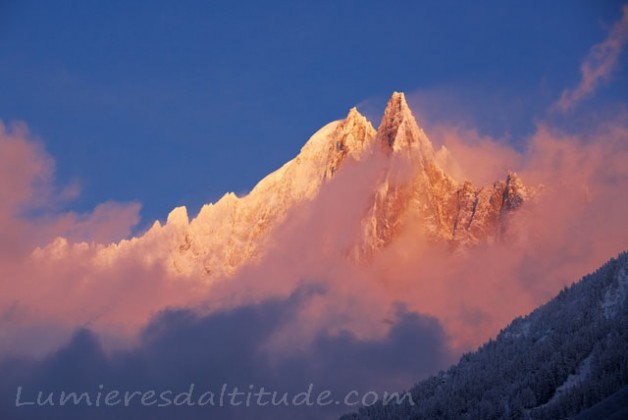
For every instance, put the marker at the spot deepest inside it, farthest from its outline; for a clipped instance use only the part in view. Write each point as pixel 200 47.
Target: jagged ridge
pixel 444 209
pixel 413 192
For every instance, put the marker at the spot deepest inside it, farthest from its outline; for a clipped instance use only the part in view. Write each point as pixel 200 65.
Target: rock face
pixel 411 194
pixel 428 198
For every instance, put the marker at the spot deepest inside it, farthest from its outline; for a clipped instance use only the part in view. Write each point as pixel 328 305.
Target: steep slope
pixel 231 232
pixel 564 357
pixel 412 195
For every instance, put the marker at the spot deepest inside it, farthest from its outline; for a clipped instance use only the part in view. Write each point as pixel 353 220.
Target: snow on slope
pixel 615 298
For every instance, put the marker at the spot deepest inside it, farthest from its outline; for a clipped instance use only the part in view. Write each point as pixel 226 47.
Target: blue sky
pixel 170 104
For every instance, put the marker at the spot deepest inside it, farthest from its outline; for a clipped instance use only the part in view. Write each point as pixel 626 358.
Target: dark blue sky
pixel 172 103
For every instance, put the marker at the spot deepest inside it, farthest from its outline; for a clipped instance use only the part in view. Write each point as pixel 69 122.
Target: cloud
pixel 30 217
pixel 25 172
pixel 467 155
pixel 597 66
pixel 30 200
pixel 180 348
pixel 107 223
pixel 574 225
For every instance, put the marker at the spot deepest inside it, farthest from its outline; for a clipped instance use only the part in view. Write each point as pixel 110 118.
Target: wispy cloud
pixel 597 66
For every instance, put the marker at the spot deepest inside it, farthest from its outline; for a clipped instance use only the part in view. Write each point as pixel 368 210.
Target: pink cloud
pixel 577 223
pixel 37 295
pixel 467 155
pixel 107 223
pixel 25 171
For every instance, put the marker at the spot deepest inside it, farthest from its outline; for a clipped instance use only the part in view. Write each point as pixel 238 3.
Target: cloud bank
pixel 179 348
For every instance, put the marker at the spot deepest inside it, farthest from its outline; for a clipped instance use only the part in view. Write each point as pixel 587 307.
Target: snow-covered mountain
pixel 568 358
pixel 411 193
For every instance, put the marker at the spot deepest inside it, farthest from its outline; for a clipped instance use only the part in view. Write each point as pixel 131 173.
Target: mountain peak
pixel 355 118
pixel 397 103
pixel 353 113
pixel 399 130
pixel 354 134
pixel 351 138
pixel 178 217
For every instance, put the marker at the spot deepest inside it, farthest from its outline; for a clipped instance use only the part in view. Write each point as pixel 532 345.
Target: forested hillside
pixel 566 356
